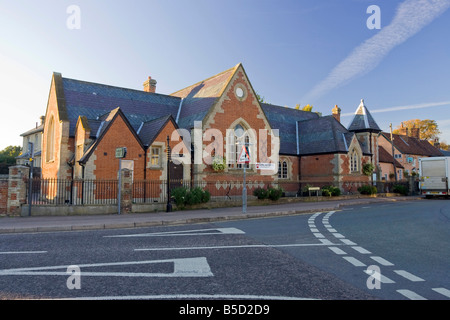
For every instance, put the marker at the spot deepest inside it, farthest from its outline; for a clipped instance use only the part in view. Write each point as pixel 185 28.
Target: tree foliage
pixel 9 154
pixel 428 128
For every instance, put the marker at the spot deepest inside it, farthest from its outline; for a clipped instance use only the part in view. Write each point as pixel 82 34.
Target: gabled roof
pixel 411 145
pixel 94 100
pixel 150 129
pixel 323 135
pixel 200 97
pixel 107 120
pixel 386 157
pixel 363 120
pixel 285 120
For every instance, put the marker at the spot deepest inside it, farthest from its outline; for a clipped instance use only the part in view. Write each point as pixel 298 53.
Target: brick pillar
pixel 126 195
pixel 17 189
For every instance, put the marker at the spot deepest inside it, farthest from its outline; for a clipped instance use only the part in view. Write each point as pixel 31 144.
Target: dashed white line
pixel 361 250
pixel 354 261
pixel 377 275
pixel 410 294
pixel 442 291
pixel 350 243
pixel 408 275
pixel 382 261
pixel 337 250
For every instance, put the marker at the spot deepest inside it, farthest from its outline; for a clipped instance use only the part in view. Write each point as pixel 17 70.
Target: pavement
pixel 137 220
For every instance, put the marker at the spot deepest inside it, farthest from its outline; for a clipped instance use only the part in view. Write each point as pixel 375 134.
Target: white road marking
pixel 442 291
pixel 337 250
pixel 408 275
pixel 338 235
pixel 382 261
pixel 186 267
pixel 410 294
pixel 361 250
pixel 198 232
pixel 376 275
pixel 350 243
pixel 23 252
pixel 248 246
pixel 354 261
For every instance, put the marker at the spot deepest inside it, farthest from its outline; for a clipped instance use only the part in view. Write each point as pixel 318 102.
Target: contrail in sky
pixel 411 17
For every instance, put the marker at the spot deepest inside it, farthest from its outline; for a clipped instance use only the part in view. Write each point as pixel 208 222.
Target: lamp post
pixel 240 134
pixel 169 205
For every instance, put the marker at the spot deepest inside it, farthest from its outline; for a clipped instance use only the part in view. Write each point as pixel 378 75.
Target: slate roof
pixel 363 120
pixel 385 157
pixel 413 146
pixel 323 135
pixel 150 129
pixel 285 120
pixel 94 100
pixel 200 97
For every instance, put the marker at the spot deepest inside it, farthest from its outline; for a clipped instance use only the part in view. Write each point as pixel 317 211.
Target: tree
pixel 308 108
pixel 428 129
pixel 8 158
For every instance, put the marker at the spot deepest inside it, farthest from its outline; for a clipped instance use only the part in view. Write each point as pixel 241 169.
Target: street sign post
pixel 244 158
pixel 120 154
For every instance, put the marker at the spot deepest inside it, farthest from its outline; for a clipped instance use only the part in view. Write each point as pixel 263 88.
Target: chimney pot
pixel 150 85
pixel 336 113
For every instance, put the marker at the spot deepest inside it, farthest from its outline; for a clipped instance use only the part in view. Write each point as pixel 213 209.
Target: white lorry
pixel 434 176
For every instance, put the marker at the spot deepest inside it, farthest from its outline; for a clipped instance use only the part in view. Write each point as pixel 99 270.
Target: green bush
pixel 398 188
pixel 184 196
pixel 261 193
pixel 275 193
pixel 367 189
pixel 331 191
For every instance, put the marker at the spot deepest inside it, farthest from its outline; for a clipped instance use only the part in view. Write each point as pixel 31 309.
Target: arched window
pixel 236 140
pixel 50 147
pixel 282 170
pixel 355 161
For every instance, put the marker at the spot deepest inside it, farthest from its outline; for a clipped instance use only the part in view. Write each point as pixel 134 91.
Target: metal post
pixel 169 205
pixel 119 193
pixel 30 177
pixel 244 193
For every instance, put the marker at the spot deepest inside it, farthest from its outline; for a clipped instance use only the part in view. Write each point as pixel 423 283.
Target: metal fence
pixel 98 192
pixel 72 192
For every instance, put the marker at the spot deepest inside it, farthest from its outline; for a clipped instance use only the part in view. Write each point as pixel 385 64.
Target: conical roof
pixel 363 120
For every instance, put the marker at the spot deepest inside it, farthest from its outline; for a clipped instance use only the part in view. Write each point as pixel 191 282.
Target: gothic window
pixel 236 140
pixel 282 170
pixel 354 162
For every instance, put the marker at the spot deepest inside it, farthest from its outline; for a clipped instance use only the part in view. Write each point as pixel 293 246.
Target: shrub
pixel 368 169
pixel 331 191
pixel 275 193
pixel 398 188
pixel 367 189
pixel 261 193
pixel 184 196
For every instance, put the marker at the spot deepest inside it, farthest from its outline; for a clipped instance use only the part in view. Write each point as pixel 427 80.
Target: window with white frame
pixel 236 140
pixel 282 170
pixel 354 161
pixel 155 157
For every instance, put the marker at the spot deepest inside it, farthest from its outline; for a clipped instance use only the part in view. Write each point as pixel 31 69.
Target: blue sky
pixel 317 52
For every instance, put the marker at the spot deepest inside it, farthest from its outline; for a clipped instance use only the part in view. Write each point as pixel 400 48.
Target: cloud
pixel 411 17
pixel 409 107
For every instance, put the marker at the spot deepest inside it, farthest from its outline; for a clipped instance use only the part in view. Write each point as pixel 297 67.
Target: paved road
pixel 321 255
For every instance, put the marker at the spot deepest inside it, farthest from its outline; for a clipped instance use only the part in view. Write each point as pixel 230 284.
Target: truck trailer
pixel 434 175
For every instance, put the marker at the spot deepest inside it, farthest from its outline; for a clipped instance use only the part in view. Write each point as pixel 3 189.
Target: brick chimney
pixel 415 132
pixel 403 131
pixel 336 113
pixel 150 85
pixel 437 144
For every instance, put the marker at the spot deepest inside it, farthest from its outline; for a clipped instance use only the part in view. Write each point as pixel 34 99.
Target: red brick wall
pixel 118 135
pixel 225 114
pixel 3 196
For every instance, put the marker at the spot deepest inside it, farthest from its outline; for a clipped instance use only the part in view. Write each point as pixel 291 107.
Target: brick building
pixel 85 122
